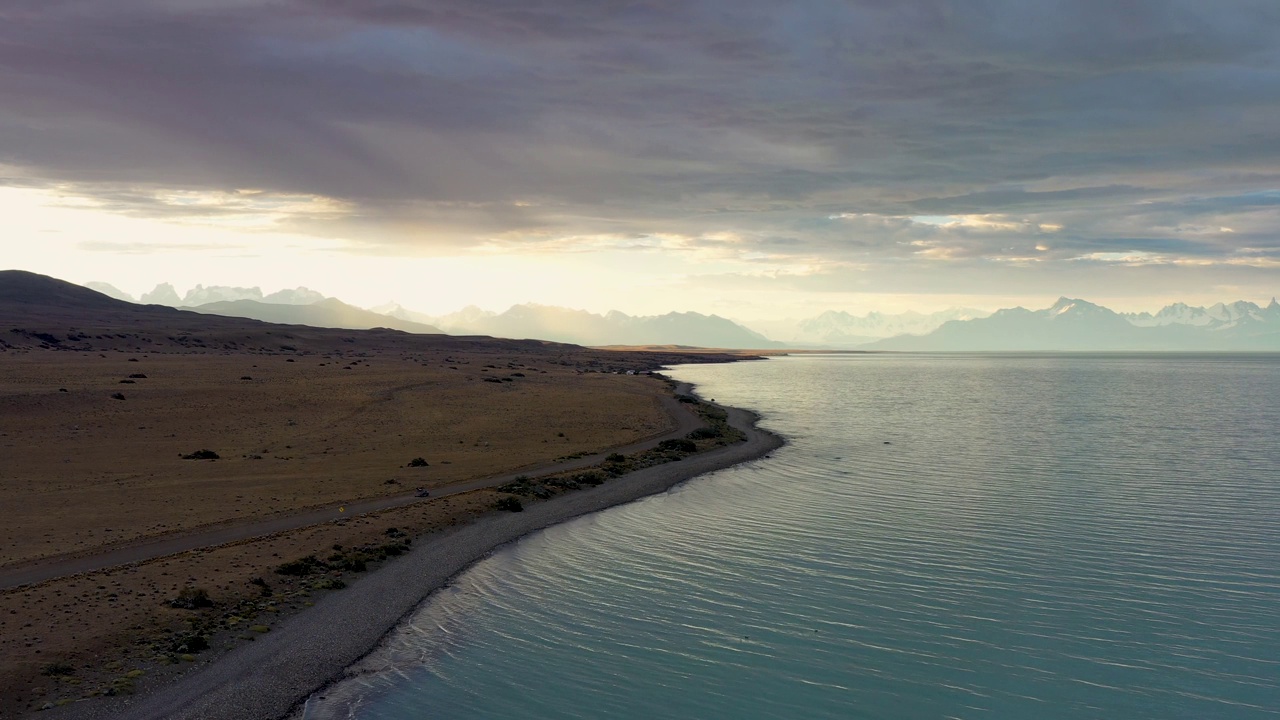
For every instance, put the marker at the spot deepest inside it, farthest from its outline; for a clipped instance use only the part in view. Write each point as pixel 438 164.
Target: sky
pixel 757 160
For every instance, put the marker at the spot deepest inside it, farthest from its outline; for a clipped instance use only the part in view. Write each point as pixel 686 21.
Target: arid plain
pixel 105 407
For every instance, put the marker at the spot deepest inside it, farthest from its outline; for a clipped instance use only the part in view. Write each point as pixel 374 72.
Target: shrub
pixel 189 644
pixel 117 396
pixel 510 504
pixel 678 445
pixel 615 458
pixel 328 583
pixel 201 455
pixel 418 462
pixel 262 585
pixel 355 562
pixel 301 566
pixel 58 668
pixel 139 376
pixel 704 433
pixel 592 477
pixel 383 552
pixel 191 599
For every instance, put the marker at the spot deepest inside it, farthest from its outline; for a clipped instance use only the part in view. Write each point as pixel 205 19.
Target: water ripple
pixel 945 537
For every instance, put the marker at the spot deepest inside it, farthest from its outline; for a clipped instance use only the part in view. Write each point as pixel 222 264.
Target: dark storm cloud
pixel 1121 121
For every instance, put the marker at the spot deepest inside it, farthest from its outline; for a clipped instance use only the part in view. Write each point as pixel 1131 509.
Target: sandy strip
pixel 267 679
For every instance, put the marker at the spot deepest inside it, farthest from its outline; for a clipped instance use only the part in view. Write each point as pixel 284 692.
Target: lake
pixel 944 536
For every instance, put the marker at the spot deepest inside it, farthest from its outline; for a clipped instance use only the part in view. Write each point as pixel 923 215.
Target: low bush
pixel 189 644
pixel 418 462
pixel 58 668
pixel 202 455
pixel 704 433
pixel 262 585
pixel 678 445
pixel 383 552
pixel 509 504
pixel 355 562
pixel 300 567
pixel 191 599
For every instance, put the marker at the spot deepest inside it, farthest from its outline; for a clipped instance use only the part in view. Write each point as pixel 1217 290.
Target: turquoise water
pixel 963 536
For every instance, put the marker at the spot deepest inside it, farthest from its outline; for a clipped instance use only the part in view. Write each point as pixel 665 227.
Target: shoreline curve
pixel 273 677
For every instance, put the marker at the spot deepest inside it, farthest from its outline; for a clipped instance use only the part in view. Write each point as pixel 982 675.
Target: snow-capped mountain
pixel 165 294
pixel 586 328
pixel 1074 324
pixel 330 313
pixel 458 323
pixel 110 291
pixel 1221 315
pixel 838 329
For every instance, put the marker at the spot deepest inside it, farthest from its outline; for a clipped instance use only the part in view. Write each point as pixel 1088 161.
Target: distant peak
pixel 1063 304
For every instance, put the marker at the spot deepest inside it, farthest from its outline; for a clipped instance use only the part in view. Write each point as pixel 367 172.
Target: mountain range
pixel 1071 324
pixel 585 328
pixel 839 330
pixel 165 294
pixel 329 313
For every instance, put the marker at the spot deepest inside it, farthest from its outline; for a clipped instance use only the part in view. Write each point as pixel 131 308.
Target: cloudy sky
pixel 752 159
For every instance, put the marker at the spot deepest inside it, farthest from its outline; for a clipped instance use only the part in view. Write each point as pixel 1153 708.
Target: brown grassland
pixel 299 418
